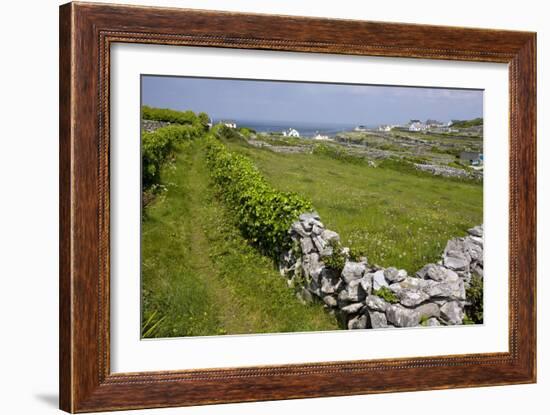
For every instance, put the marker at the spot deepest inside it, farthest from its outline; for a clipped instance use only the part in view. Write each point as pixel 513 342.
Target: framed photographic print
pixel 259 207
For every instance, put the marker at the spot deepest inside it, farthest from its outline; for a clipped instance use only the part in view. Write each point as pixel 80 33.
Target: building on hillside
pixel 385 127
pixel 291 132
pixel 417 125
pixel 472 157
pixel 318 136
pixel 229 123
pixel 360 128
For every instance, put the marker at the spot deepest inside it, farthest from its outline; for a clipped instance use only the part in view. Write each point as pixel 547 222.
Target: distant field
pixel 397 218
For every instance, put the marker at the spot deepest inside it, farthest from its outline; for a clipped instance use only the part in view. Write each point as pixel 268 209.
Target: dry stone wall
pixel 363 295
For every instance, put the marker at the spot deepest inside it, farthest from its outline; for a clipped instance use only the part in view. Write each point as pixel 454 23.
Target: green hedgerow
pixel 158 146
pixel 175 117
pixel 262 213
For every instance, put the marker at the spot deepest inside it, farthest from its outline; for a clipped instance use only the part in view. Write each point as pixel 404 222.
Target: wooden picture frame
pixel 86 33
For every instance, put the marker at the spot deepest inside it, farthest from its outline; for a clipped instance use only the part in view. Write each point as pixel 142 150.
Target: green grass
pixel 397 218
pixel 200 277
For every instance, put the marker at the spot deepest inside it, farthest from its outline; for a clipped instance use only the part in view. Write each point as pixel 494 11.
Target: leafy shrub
pixel 467 123
pixel 337 260
pixel 474 294
pixel 159 145
pixel 386 294
pixel 173 116
pixel 262 213
pixel 229 134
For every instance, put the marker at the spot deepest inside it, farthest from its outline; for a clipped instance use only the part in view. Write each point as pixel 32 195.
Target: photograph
pixel 276 206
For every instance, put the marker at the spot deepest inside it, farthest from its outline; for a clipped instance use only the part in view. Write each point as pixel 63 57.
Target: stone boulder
pixel 353 271
pixel 377 320
pixel 452 313
pixel 400 316
pixel 394 275
pixel 375 303
pixel 358 322
pixel 453 290
pixel 355 291
pixel 411 297
pixel 353 308
pixel 378 280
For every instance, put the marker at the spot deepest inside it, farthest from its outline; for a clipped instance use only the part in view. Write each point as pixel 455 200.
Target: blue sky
pixel 309 103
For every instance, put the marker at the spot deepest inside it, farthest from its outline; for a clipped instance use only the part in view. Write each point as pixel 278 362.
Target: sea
pixel 305 129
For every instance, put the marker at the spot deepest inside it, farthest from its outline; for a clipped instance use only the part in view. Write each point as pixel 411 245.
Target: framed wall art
pixel 259 207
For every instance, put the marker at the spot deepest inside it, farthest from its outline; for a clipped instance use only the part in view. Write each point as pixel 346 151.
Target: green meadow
pixel 395 217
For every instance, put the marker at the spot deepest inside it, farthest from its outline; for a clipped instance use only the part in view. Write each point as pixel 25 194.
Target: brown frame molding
pixel 86 33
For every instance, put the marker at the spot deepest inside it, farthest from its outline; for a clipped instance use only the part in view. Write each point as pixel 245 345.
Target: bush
pixel 386 294
pixel 262 213
pixel 337 260
pixel 474 295
pixel 176 117
pixel 158 146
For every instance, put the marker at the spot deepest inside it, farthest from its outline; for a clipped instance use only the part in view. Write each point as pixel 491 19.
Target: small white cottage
pixel 291 132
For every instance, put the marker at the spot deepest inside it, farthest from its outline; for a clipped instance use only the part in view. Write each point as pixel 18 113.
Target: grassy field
pixel 199 276
pixel 397 218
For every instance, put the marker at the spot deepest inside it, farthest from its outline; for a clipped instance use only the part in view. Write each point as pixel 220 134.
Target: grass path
pixel 200 277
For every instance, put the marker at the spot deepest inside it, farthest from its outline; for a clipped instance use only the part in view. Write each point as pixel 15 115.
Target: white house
pixel 229 124
pixel 291 132
pixel 385 128
pixel 318 136
pixel 417 125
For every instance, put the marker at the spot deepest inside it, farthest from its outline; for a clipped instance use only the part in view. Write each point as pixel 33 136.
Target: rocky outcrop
pixel 368 296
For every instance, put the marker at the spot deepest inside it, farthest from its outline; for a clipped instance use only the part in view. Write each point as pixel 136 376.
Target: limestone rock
pixel 366 283
pixel 343 298
pixel 476 231
pixel 378 280
pixel 377 320
pixel 400 316
pixel 358 322
pixel 304 217
pixel 299 229
pixel 375 303
pixel 411 298
pixel 452 312
pixel 356 291
pixel 330 301
pixel 327 285
pixel 330 236
pixel 433 322
pixel 453 290
pixel 319 242
pixel 440 273
pixel 456 261
pixel 409 283
pixel 307 245
pixel 394 275
pixel 353 308
pixel 353 271
pixel 428 310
